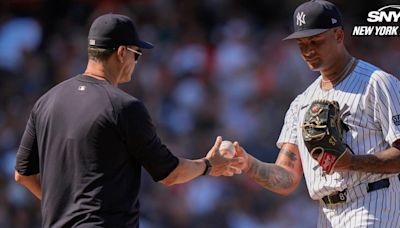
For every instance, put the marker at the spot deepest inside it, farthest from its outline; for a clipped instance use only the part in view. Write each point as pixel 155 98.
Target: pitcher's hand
pixel 244 163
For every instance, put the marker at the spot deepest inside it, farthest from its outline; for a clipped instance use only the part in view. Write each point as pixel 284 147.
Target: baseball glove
pixel 322 133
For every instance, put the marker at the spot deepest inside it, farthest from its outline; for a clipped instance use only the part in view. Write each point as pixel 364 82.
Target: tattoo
pixel 291 155
pixel 271 176
pixel 287 163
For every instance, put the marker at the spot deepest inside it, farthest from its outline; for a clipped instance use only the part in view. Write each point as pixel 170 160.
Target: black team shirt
pixel 88 141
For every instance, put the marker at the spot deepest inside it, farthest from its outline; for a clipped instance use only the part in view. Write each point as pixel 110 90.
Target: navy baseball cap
pixel 114 30
pixel 314 17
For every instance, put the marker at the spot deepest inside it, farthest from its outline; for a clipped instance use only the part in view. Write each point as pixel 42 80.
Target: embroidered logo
pixel 301 18
pixel 396 120
pixel 315 108
pixel 327 161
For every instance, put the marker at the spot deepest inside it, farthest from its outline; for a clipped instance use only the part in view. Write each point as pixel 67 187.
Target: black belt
pixel 342 196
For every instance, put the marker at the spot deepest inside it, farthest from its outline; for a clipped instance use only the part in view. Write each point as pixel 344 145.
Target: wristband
pixel 208 167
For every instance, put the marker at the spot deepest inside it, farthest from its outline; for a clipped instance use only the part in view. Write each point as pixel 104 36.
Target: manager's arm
pixel 187 169
pixel 32 183
pixel 27 159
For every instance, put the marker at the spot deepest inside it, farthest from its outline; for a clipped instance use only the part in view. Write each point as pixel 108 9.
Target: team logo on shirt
pixel 396 120
pixel 387 17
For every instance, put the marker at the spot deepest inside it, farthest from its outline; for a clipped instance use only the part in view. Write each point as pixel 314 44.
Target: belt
pixel 340 197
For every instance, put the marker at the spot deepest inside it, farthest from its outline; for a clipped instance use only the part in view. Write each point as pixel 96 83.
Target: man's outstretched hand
pixel 220 165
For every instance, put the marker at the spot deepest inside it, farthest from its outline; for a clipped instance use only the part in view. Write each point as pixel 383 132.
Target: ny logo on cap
pixel 300 18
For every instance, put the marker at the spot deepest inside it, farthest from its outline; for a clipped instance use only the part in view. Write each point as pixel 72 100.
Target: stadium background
pixel 219 68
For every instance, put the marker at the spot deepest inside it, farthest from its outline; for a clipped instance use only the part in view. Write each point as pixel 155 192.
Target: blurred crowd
pixel 219 67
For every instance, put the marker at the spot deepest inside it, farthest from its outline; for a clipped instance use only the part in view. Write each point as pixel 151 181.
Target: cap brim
pixel 305 33
pixel 144 44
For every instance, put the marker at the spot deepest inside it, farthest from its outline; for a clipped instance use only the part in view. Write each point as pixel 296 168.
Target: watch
pixel 208 167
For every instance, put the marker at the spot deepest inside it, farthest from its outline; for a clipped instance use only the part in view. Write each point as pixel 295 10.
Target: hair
pixel 99 54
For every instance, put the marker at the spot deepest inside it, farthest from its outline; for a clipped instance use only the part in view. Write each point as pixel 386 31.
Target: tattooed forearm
pixel 286 163
pixel 291 155
pixel 292 158
pixel 271 176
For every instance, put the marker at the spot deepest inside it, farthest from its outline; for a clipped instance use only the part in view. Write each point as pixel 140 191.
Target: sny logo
pixel 301 20
pixel 387 14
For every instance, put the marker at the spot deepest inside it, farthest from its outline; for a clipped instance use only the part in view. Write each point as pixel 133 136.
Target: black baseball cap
pixel 314 17
pixel 114 30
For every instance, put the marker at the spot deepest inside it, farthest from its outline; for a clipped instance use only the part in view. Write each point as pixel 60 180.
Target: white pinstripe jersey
pixel 370 102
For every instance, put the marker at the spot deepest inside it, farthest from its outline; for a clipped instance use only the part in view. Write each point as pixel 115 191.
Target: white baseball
pixel 227 149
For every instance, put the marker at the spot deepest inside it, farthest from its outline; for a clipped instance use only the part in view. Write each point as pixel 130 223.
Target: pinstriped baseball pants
pixel 377 209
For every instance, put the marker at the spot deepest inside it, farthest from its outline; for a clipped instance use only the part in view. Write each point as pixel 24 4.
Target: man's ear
pixel 120 54
pixel 339 34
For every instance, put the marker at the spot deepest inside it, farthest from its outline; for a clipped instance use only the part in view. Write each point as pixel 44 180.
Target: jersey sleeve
pixel 27 159
pixel 144 144
pixel 387 105
pixel 289 129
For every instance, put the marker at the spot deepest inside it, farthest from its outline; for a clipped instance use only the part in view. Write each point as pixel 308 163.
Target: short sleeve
pixel 289 129
pixel 387 105
pixel 143 142
pixel 27 161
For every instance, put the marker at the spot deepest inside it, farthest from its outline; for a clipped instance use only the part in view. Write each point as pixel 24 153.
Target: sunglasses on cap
pixel 137 53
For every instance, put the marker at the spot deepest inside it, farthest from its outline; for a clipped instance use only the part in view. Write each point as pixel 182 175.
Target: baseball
pixel 227 149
